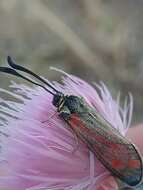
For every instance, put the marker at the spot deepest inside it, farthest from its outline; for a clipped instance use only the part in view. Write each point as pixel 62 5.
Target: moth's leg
pixel 52 115
pixel 65 113
pixel 76 147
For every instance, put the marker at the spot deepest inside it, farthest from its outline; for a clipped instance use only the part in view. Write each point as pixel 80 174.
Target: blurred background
pixel 93 39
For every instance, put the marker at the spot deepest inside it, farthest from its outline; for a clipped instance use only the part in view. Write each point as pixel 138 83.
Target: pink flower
pixel 43 156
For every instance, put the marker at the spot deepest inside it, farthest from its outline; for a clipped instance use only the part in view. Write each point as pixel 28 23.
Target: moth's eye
pixel 57 99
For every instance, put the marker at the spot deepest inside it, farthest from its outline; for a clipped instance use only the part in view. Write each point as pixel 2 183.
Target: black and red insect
pixel 115 152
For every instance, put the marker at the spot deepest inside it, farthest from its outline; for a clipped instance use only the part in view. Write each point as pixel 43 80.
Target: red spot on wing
pixel 133 164
pixel 75 123
pixel 117 164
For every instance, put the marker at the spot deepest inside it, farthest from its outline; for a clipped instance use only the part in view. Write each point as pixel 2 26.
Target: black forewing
pixel 115 152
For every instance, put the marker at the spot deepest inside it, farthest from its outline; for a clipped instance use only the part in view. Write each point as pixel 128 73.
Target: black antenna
pixel 20 68
pixel 15 73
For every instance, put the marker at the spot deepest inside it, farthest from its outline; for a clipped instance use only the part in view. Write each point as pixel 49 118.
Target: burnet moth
pixel 115 152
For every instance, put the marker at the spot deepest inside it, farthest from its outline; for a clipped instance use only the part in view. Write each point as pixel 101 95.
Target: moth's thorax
pixel 74 104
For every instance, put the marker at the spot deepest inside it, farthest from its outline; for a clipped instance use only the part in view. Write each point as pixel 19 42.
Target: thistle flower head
pixel 37 155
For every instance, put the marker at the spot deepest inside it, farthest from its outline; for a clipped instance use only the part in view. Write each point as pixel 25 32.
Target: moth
pixel 115 152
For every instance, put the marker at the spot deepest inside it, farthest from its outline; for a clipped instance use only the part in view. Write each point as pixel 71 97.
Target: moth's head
pixel 58 99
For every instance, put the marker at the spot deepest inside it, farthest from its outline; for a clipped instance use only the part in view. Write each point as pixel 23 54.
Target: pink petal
pixel 43 156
